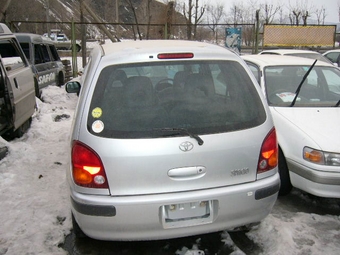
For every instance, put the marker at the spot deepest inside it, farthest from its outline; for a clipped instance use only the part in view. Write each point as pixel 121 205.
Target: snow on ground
pixel 35 210
pixel 33 193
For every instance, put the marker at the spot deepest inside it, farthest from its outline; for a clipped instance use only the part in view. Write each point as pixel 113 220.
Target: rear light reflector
pixel 175 55
pixel 87 167
pixel 268 158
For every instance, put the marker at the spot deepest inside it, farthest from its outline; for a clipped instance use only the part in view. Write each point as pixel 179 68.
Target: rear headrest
pixel 199 82
pixel 179 78
pixel 139 91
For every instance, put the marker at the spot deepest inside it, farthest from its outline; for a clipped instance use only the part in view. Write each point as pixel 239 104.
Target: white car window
pixel 321 87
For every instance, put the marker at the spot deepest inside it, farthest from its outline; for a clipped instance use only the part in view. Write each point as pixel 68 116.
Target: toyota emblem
pixel 186 146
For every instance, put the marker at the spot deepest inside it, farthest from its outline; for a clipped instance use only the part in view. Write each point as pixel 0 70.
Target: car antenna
pixel 300 85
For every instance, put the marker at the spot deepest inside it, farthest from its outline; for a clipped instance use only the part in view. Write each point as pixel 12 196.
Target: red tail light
pixel 269 153
pixel 87 168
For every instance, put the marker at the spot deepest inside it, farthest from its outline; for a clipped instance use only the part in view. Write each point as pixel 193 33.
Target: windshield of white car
pixel 174 98
pixel 312 55
pixel 320 88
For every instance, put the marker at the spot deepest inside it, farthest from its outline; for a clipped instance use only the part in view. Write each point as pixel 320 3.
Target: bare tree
pixel 301 11
pixel 149 18
pixel 136 20
pixel 321 15
pixel 270 10
pixel 192 14
pixel 236 13
pixel 215 14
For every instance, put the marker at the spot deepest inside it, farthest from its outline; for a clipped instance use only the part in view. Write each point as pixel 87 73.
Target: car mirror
pixel 72 87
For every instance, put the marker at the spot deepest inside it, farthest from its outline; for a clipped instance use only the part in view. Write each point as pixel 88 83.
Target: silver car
pixel 170 139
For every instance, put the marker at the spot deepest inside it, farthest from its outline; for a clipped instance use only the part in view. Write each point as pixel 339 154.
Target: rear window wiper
pixel 300 85
pixel 182 131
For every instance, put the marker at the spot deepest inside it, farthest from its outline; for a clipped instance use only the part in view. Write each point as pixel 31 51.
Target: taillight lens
pixel 269 153
pixel 87 168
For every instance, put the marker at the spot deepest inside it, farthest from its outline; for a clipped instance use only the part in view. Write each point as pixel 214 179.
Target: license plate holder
pixel 187 214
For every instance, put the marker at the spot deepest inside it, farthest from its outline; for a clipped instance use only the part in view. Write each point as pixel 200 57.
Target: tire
pixel 61 79
pixel 286 185
pixel 19 132
pixel 76 229
pixel 78 48
pixel 37 90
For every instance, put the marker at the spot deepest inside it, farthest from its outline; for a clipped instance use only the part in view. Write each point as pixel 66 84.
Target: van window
pixel 46 55
pixel 26 48
pixel 38 54
pixel 205 97
pixel 11 55
pixel 41 53
pixel 54 53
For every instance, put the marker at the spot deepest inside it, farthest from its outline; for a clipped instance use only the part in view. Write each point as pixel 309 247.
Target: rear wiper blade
pixel 300 85
pixel 183 131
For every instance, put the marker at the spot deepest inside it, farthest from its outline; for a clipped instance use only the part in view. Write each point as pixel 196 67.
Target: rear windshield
pixel 149 99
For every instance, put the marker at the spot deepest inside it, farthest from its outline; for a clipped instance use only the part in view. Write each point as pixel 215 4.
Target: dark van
pixel 44 58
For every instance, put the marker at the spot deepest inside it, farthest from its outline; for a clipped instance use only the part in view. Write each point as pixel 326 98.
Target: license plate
pixel 187 214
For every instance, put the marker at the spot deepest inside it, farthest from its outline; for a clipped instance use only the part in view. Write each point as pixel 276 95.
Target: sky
pixel 35 208
pixel 331 6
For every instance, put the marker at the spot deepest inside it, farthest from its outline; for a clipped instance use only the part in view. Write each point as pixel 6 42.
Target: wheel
pixel 76 229
pixel 19 132
pixel 61 80
pixel 37 90
pixel 78 48
pixel 286 185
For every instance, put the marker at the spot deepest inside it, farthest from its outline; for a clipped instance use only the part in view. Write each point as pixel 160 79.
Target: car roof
pixel 166 46
pixel 279 60
pixel 329 51
pixel 288 51
pixel 4 30
pixel 34 38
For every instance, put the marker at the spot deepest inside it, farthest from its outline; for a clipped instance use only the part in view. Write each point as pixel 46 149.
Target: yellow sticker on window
pixel 97 112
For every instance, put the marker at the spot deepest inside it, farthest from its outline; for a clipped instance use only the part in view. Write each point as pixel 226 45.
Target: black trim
pixel 94 210
pixel 266 192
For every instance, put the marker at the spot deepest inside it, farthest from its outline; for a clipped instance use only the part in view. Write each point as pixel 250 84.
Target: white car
pixel 297 53
pixel 307 120
pixel 333 56
pixel 170 138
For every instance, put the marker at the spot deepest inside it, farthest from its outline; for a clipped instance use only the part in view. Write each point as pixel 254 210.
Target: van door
pixel 18 80
pixel 44 65
pixel 5 109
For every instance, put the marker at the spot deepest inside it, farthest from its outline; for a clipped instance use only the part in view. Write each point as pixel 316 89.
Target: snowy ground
pixel 35 211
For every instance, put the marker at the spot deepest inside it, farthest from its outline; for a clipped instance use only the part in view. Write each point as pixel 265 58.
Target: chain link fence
pixel 251 38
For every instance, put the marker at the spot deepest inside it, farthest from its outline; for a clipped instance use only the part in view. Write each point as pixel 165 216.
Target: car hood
pixel 321 125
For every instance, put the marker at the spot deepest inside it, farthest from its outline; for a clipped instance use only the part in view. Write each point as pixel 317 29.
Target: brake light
pixel 175 55
pixel 269 153
pixel 87 167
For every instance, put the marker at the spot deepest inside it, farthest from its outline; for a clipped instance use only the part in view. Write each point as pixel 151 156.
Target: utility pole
pixel 117 18
pixel 48 17
pixel 83 33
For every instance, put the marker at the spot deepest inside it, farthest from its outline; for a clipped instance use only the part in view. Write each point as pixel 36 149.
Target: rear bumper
pixel 142 217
